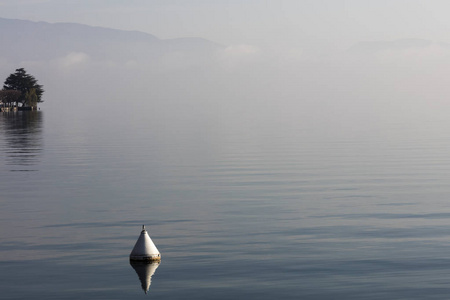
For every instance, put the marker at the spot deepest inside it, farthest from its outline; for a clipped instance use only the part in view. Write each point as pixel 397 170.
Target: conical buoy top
pixel 145 249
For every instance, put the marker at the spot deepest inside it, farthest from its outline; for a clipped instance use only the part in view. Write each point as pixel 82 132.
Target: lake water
pixel 238 211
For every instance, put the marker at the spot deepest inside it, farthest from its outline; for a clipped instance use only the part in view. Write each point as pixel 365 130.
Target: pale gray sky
pixel 263 23
pixel 282 63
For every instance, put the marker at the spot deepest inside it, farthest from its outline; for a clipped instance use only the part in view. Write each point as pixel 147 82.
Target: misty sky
pixel 260 23
pixel 289 55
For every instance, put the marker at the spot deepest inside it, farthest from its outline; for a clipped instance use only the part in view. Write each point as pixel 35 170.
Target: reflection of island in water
pixel 145 271
pixel 21 137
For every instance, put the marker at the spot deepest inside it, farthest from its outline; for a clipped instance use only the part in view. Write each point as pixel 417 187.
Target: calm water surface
pixel 237 212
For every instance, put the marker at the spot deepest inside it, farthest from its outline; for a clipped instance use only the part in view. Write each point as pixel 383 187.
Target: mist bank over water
pixel 367 88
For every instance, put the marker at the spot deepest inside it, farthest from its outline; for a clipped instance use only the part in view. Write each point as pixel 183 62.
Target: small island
pixel 20 92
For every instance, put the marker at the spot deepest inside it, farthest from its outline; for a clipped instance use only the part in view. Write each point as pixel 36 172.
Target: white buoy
pixel 145 249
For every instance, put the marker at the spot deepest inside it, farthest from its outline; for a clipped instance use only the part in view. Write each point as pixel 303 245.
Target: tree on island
pixel 30 91
pixel 9 97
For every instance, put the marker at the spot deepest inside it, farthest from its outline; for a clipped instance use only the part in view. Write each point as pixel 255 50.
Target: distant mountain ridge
pixel 29 41
pixel 370 47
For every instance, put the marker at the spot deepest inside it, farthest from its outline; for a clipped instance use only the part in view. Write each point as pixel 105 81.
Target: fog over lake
pixel 259 173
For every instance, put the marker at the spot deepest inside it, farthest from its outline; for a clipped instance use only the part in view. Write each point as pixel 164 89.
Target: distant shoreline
pixel 20 108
